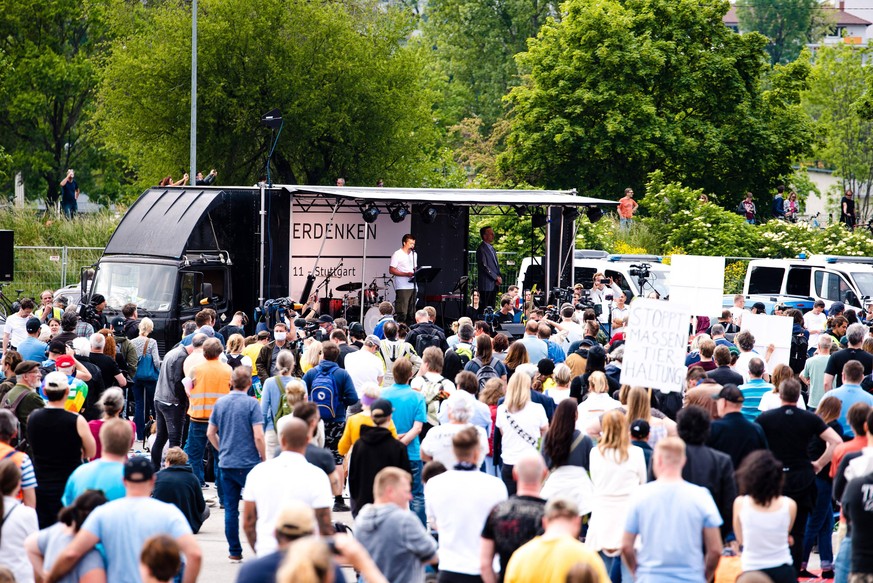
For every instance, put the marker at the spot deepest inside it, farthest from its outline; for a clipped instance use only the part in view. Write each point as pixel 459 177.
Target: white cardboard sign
pixel 656 338
pixel 768 330
pixel 697 282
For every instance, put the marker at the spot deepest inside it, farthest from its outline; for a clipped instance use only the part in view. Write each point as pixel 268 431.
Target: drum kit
pixel 348 306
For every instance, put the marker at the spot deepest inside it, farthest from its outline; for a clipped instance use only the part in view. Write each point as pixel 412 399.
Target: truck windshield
pixel 148 286
pixel 864 281
pixel 657 279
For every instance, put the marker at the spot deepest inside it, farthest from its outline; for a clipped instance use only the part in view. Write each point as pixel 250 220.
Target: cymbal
pixel 351 286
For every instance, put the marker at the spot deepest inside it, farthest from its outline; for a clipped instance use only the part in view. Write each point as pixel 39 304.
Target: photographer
pixel 575 332
pixel 600 295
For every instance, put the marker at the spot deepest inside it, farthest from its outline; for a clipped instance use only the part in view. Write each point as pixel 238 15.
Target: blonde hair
pixel 562 375
pixel 671 451
pixel 616 436
pixel 597 382
pixel 308 560
pixel 312 354
pixel 639 404
pixel 235 343
pixel 371 389
pixel 493 390
pixel 285 362
pixel 146 326
pixel 518 393
pixel 295 392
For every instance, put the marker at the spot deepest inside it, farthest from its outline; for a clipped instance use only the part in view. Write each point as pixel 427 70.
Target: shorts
pixel 333 431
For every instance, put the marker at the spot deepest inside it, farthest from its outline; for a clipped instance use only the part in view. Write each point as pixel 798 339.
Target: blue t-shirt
pixel 409 407
pixel 234 415
pixel 69 191
pixel 670 517
pixel 97 475
pixel 53 540
pixel 124 525
pixel 32 349
pixel 848 396
pixel 752 393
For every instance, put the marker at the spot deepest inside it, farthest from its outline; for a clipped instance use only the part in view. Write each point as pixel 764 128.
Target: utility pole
pixel 192 174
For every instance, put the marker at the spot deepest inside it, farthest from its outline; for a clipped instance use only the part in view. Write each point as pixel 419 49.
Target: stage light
pixel 371 213
pixel 570 213
pixel 539 219
pixel 398 212
pixel 428 214
pixel 594 214
pixel 520 209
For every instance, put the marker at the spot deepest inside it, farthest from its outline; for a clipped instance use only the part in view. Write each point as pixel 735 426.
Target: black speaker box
pixel 7 255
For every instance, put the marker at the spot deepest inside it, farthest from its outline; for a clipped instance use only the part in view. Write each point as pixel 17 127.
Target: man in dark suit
pixel 733 434
pixel 723 374
pixel 489 270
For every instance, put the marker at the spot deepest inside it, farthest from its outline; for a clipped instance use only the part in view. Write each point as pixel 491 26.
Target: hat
pixel 97 299
pixel 325 319
pixel 263 334
pixel 32 325
pixel 760 307
pixel 546 366
pixel 57 347
pixel 117 324
pixel 734 350
pixel 372 340
pixel 381 408
pixel 25 367
pixel 355 329
pixel 730 392
pixel 836 308
pixel 640 429
pixel 780 306
pixel 138 469
pixel 65 361
pixel 295 519
pixel 208 330
pixel 300 322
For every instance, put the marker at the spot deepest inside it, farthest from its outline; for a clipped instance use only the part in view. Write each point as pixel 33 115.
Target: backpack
pixel 234 361
pixel 324 393
pixel 13 407
pixel 464 353
pixel 486 372
pixel 433 393
pixel 798 352
pixel 283 408
pixel 425 340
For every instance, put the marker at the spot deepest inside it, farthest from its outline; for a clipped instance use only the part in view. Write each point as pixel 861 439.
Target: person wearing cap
pixel 377 448
pixel 237 325
pixel 295 521
pixel 15 328
pixel 79 390
pixel 59 440
pixel 352 432
pixel 31 348
pixel 236 430
pixel 759 308
pixel 22 399
pixel 107 472
pixel 398 543
pixel 732 433
pixel 640 430
pixel 357 334
pixel 286 477
pixel 123 526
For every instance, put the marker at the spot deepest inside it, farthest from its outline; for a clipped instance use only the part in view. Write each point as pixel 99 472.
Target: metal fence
pixel 510 263
pixel 39 268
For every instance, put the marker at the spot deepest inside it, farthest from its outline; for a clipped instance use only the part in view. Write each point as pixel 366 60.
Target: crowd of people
pixel 462 454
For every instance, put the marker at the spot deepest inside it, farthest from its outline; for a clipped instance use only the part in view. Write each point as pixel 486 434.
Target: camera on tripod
pixel 640 270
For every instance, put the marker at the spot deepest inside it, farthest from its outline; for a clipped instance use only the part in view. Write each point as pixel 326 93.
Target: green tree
pixel 788 24
pixel 474 43
pixel 350 88
pixel 53 50
pixel 620 88
pixel 839 78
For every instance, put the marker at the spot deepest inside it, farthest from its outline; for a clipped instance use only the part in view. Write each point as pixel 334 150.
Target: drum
pixel 371 318
pixel 331 306
pixel 353 314
pixel 371 297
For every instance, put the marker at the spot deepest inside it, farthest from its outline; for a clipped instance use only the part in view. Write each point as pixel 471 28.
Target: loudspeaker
pixel 7 255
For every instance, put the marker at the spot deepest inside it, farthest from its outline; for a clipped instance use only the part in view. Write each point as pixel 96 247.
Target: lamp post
pixel 193 172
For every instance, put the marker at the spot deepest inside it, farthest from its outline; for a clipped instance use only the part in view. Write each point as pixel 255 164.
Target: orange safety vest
pixel 17 457
pixel 211 382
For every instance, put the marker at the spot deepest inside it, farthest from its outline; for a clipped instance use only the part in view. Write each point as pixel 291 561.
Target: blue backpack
pixel 324 393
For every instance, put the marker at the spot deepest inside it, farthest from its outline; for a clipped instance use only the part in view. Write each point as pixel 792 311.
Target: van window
pixel 831 286
pixel 798 281
pixel 766 280
pixel 585 276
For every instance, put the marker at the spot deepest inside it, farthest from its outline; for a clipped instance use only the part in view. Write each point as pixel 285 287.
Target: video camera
pixel 640 270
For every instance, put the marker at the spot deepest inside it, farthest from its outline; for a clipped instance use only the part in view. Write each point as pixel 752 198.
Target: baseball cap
pixel 32 325
pixel 295 519
pixel 57 347
pixel 759 306
pixel 25 367
pixel 355 329
pixel 381 408
pixel 97 299
pixel 263 334
pixel 372 340
pixel 138 469
pixel 640 429
pixel 208 330
pixel 730 392
pixel 836 308
pixel 325 319
pixel 65 361
pixel 117 324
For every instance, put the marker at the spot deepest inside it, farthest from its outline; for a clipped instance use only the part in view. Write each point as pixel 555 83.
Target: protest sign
pixel 697 282
pixel 768 330
pixel 655 341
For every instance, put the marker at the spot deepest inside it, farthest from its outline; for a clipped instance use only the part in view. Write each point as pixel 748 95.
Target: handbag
pixel 145 368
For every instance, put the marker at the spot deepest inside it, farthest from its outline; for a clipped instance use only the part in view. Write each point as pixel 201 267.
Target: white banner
pixel 656 338
pixel 342 257
pixel 769 330
pixel 698 282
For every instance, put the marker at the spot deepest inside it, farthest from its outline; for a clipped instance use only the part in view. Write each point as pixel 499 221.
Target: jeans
pixel 232 482
pixel 69 208
pixel 169 422
pixel 618 571
pixel 196 448
pixel 144 392
pixel 820 526
pixel 625 223
pixel 417 504
pixel 843 564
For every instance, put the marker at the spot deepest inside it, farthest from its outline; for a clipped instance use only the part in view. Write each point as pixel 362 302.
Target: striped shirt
pixel 752 393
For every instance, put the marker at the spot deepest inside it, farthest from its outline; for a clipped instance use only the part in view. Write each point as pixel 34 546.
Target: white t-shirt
pixel 19 524
pixel 594 405
pixel 619 314
pixel 816 324
pixel 364 367
pixel 741 366
pixel 272 483
pixel 16 328
pixel 438 443
pixel 529 420
pixel 772 400
pixel 558 394
pixel 458 502
pixel 404 262
pixel 737 314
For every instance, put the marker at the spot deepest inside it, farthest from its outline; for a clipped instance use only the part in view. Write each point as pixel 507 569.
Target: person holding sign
pixel 402 267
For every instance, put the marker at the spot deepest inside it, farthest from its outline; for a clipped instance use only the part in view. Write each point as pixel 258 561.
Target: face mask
pixel 280 336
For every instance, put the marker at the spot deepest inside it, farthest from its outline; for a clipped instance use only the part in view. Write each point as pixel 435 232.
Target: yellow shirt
pixel 353 431
pixel 548 559
pixel 252 351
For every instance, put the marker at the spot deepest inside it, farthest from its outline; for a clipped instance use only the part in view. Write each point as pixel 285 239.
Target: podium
pixel 422 277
